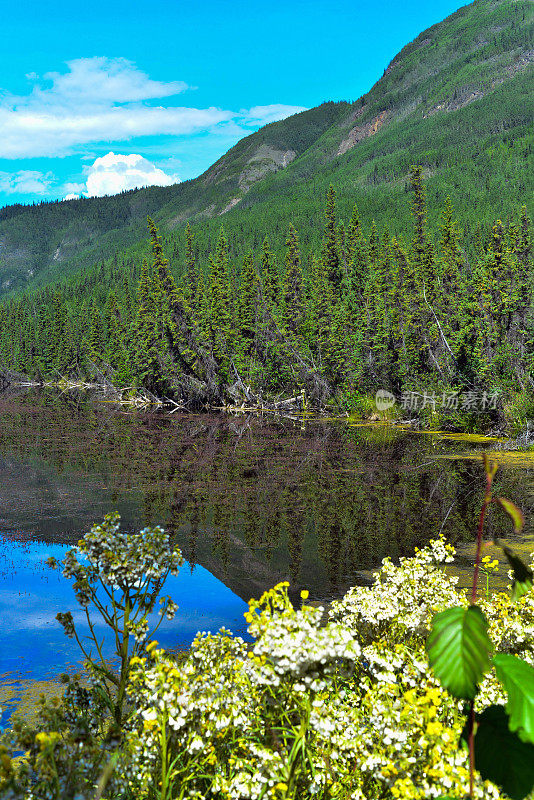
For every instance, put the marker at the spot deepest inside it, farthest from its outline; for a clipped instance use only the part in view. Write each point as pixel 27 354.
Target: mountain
pixel 457 100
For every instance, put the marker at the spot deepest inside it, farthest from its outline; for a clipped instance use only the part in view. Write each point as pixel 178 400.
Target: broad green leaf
pixel 517 677
pixel 513 511
pixel 459 648
pixel 523 576
pixel 501 756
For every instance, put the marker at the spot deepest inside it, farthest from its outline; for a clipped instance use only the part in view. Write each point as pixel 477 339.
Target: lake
pixel 250 501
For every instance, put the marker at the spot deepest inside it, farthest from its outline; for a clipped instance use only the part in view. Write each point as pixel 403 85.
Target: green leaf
pixel 513 511
pixel 523 576
pixel 501 756
pixel 517 677
pixel 520 589
pixel 459 648
pixel 104 697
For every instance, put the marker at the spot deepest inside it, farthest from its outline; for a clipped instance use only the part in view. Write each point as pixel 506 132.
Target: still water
pixel 249 501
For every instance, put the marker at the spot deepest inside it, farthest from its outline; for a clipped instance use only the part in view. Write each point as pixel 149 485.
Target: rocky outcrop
pixel 228 207
pixel 463 97
pixel 266 159
pixel 360 132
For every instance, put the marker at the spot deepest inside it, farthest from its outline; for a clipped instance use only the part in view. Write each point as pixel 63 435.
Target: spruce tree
pixel 270 280
pixel 373 246
pixel 331 256
pixel 191 270
pixel 95 336
pixel 247 304
pixel 422 248
pixel 219 315
pixel 147 362
pixel 524 239
pixel 293 293
pixel 357 263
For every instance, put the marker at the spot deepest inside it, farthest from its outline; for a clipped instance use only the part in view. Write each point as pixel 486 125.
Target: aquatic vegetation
pixel 513 458
pixel 24 695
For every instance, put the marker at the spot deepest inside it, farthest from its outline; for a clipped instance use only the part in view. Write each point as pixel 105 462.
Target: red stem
pixel 471 725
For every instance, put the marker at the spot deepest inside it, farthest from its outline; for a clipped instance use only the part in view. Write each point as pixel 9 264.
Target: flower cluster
pixel 403 598
pixel 195 709
pixel 131 566
pixel 339 705
pixel 294 645
pixel 122 559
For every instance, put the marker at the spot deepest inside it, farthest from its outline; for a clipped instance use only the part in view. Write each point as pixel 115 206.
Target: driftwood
pixel 9 377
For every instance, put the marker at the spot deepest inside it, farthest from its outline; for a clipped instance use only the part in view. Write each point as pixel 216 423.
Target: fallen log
pixel 9 377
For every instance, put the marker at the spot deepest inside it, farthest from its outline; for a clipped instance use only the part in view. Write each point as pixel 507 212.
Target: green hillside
pixel 457 100
pixel 44 242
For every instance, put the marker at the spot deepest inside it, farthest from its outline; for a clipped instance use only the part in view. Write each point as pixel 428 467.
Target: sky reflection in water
pixel 31 594
pixel 250 501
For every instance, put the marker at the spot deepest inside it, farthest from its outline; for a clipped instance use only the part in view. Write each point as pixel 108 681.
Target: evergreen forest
pixel 439 322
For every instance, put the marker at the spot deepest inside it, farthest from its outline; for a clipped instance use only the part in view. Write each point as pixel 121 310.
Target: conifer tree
pixel 422 247
pixel 451 256
pixel 451 302
pixel 524 239
pixel 293 283
pixel 319 314
pixel 331 257
pixel 95 336
pixel 373 245
pixel 270 280
pixel 147 361
pixel 356 257
pixel 219 306
pixel 342 249
pixel 191 270
pixel 247 305
pixel 165 296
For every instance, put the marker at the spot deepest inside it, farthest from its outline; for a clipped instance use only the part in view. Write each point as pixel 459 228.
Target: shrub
pixel 339 705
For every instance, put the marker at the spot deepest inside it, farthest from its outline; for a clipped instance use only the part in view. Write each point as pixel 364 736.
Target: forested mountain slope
pixel 457 100
pixel 40 243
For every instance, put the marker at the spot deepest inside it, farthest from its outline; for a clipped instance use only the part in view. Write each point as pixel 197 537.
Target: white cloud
pixel 74 188
pixel 105 80
pixel 109 100
pixel 29 134
pixel 72 196
pixel 25 181
pixel 263 115
pixel 115 172
pixel 97 99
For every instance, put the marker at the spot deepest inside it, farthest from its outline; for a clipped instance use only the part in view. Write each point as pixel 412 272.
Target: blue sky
pixel 119 94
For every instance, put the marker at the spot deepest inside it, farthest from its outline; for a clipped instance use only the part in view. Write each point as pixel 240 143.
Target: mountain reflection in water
pixel 33 643
pixel 251 500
